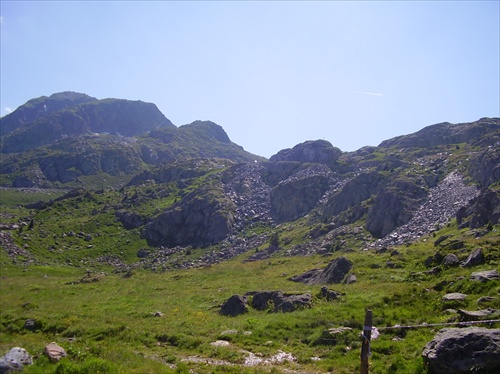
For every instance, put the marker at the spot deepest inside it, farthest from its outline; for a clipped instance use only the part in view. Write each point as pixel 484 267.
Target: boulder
pixel 234 306
pixel 455 296
pixel 450 260
pixel 335 272
pixel 333 336
pixel 463 350
pixel 54 352
pixel 475 258
pixel 475 315
pixel 330 294
pixel 30 324
pixel 485 276
pixel 350 279
pixel 14 360
pixel 280 302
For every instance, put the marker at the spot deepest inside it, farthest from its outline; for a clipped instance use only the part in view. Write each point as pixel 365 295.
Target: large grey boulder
pixel 475 258
pixel 234 306
pixel 335 272
pixel 15 360
pixel 485 276
pixel 450 260
pixel 280 302
pixel 467 350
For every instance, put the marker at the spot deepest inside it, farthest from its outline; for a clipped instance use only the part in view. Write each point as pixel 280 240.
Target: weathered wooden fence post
pixel 365 345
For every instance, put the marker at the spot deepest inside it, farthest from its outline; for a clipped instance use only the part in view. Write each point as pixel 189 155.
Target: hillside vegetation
pixel 128 258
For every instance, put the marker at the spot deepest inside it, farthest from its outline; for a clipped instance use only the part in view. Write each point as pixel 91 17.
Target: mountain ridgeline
pixel 190 186
pixel 62 139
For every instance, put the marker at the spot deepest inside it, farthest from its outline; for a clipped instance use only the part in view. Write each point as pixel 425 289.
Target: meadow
pixel 140 321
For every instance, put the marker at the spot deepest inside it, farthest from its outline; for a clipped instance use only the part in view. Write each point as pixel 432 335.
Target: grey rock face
pixel 201 219
pixel 481 210
pixel 291 200
pixel 464 350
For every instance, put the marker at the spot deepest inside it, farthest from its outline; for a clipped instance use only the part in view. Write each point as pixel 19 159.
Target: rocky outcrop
pixel 444 133
pixel 277 301
pixel 394 206
pixel 202 218
pixel 441 204
pixel 317 151
pixel 291 200
pixel 206 130
pixel 129 220
pixel 480 211
pixel 484 167
pixel 335 272
pixel 467 350
pixel 354 192
pixel 273 301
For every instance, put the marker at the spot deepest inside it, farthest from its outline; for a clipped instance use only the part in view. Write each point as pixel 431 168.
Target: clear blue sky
pixel 272 74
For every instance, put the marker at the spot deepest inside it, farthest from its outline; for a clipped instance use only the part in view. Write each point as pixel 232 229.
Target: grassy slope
pixel 107 326
pixel 114 331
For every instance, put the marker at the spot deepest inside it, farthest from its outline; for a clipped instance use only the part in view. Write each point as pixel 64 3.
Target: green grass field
pixel 108 326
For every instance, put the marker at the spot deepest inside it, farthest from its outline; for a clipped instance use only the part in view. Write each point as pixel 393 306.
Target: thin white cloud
pixel 1 20
pixel 8 110
pixel 369 93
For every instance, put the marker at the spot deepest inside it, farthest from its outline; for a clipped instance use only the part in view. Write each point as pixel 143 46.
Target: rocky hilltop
pixel 68 138
pixel 46 120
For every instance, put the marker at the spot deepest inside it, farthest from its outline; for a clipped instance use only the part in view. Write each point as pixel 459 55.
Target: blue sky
pixel 272 74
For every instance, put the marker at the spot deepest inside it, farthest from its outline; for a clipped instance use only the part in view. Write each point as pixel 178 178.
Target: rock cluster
pixel 13 251
pixel 274 301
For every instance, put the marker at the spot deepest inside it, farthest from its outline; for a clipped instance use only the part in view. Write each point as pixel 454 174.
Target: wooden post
pixel 365 345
